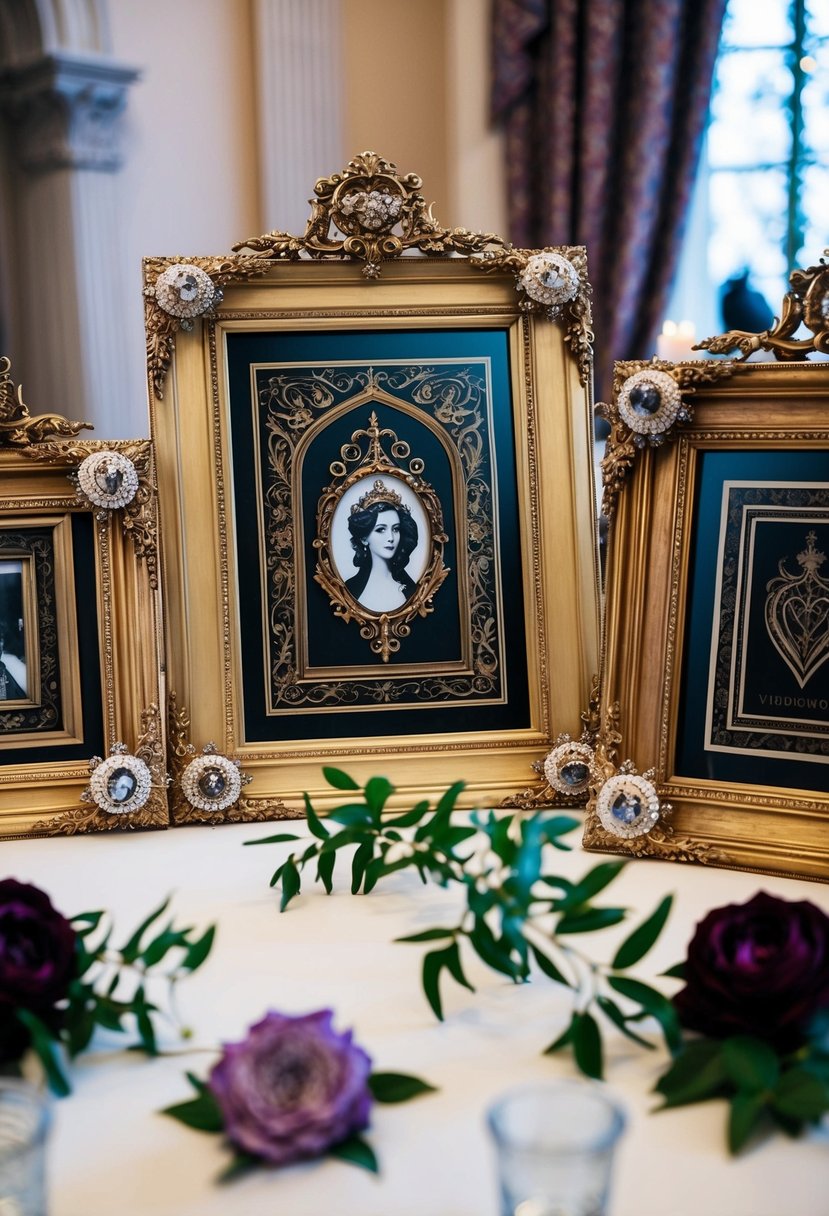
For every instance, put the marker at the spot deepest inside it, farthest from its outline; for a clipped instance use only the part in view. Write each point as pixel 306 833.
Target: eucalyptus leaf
pixel 277 839
pixel 131 950
pixel 325 870
pixel 653 1003
pixel 696 1074
pixel 339 779
pixel 291 883
pixel 594 881
pixel 799 1094
pixel 639 942
pixel 315 825
pixel 590 920
pixel 587 1045
pixel 47 1051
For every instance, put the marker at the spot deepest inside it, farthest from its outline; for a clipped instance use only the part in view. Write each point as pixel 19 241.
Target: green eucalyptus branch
pixel 109 988
pixel 516 917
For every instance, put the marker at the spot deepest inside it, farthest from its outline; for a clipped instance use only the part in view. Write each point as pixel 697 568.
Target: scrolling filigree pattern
pixel 18 429
pixel 806 304
pixel 139 517
pixel 153 814
pixel 623 442
pixel 454 397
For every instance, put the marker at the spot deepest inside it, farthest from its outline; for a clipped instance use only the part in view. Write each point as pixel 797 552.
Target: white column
pixel 299 81
pixel 64 121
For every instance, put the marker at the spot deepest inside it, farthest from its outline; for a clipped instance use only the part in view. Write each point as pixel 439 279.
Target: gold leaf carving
pixel 623 446
pixel 17 428
pixel 806 303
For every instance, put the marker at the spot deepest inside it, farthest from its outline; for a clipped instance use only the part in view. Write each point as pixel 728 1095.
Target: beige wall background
pixel 409 81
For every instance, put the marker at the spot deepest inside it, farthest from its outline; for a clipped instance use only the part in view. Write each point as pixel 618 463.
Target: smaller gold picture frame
pixel 716 487
pixel 80 624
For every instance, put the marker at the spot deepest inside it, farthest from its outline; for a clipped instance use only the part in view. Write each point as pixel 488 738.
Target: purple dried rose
pixel 759 968
pixel 293 1088
pixel 37 960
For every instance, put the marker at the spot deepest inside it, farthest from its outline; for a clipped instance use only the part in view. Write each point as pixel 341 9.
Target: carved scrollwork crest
pixel 805 304
pixel 18 429
pixel 380 538
pixel 651 400
pixel 370 212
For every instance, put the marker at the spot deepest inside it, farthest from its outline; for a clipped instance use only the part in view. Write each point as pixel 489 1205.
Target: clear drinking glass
pixel 554 1143
pixel 24 1123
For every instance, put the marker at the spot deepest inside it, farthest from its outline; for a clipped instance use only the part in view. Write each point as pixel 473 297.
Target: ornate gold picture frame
pixel 375 474
pixel 714 739
pixel 79 630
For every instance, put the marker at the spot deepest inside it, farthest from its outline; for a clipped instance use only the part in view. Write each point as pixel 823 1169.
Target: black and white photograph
pixel 380 542
pixel 13 678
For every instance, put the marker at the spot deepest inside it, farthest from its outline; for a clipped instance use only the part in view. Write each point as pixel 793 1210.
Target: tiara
pixel 380 493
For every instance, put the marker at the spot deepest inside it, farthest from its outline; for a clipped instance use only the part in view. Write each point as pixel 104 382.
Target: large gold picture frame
pixel 716 483
pixel 79 669
pixel 298 388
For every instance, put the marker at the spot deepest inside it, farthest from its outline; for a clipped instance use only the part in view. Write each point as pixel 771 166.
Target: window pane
pixel 750 109
pixel 758 23
pixel 748 212
pixel 817 17
pixel 816 104
pixel 816 214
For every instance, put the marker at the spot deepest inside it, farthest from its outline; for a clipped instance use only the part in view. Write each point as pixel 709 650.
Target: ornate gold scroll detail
pixel 153 814
pixel 162 327
pixel 139 518
pixel 806 303
pixel 180 751
pixel 537 797
pixel 576 314
pixel 18 429
pixel 623 445
pixel 372 213
pixel 662 842
pixel 384 630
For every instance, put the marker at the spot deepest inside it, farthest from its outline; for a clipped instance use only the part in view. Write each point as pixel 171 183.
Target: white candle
pixel 676 341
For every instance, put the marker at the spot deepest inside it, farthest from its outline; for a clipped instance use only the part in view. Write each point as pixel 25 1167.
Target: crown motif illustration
pixel 797 613
pixel 379 493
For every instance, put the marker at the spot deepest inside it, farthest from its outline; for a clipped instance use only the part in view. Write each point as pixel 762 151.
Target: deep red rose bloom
pixel 37 959
pixel 760 968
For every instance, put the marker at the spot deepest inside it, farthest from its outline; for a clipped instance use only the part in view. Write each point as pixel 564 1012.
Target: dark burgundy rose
pixel 760 968
pixel 37 958
pixel 293 1088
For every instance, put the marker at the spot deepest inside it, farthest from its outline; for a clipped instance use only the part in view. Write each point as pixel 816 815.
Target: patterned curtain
pixel 604 104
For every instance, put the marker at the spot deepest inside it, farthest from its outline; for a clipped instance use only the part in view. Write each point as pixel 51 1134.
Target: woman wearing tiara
pixel 383 536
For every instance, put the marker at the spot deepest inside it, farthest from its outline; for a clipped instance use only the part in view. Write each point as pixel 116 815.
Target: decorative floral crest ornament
pixel 569 766
pixel 213 782
pixel 550 279
pixel 108 479
pixel 120 784
pixel 628 805
pixel 185 291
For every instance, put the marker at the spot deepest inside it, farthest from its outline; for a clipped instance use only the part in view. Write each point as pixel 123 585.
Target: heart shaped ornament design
pixel 797 614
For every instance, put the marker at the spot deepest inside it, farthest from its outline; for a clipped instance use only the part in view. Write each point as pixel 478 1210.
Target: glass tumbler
pixel 24 1123
pixel 554 1145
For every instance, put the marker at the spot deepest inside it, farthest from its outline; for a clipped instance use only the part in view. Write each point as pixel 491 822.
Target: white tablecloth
pixel 111 1154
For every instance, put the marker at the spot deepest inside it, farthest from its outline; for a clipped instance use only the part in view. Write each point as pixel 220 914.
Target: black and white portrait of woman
pixel 381 533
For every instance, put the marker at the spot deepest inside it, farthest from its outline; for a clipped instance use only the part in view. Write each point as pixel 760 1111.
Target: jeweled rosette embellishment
pixel 650 402
pixel 372 209
pixel 212 782
pixel 550 279
pixel 107 479
pixel 628 805
pixel 120 784
pixel 569 766
pixel 185 291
